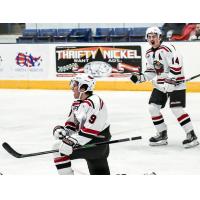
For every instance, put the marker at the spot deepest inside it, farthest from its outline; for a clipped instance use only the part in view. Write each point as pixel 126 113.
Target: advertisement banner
pixel 24 62
pixel 99 61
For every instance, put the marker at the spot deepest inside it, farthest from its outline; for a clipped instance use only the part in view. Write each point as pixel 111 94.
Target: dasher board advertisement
pixel 24 62
pixel 99 61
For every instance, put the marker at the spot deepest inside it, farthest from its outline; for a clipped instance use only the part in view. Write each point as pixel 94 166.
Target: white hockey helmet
pixel 153 29
pixel 84 80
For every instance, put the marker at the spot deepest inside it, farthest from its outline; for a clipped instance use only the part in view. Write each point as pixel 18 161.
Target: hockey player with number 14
pixel 87 124
pixel 164 68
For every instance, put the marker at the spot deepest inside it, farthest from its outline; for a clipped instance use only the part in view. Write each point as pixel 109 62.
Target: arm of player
pixel 82 111
pixel 72 124
pixel 174 60
pixel 60 132
pixel 175 64
pixel 142 77
pixel 148 75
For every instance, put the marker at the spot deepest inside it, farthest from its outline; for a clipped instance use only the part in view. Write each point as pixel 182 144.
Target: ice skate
pixel 191 140
pixel 160 139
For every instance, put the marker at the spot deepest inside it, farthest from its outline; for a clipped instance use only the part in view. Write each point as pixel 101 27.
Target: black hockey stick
pixel 14 153
pixel 193 77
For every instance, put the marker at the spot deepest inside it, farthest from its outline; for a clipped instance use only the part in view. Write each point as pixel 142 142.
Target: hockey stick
pixel 193 77
pixel 14 153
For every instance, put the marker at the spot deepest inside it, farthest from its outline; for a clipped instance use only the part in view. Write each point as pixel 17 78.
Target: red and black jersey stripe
pixel 161 80
pixel 175 70
pixel 180 79
pixel 70 125
pixel 89 133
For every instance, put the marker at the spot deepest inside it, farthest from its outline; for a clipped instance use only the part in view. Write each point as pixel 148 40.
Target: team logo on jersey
pixel 158 67
pixel 75 108
pixel 75 105
pixel 27 60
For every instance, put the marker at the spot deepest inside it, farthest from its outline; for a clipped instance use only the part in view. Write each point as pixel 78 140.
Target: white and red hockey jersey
pixel 88 118
pixel 171 66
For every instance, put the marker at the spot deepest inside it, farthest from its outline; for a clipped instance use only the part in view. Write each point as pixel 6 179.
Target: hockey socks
pixel 159 123
pixel 62 162
pixel 157 118
pixel 63 165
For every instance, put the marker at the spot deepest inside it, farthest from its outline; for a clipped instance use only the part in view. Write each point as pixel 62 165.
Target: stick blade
pixel 11 151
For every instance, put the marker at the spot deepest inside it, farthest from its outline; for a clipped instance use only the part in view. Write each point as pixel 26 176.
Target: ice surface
pixel 27 118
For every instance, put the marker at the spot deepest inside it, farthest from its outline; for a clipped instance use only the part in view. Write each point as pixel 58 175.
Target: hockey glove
pixel 60 132
pixel 137 78
pixel 67 145
pixel 169 85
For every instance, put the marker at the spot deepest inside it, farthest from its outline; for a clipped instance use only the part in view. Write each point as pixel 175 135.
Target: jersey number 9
pixel 92 119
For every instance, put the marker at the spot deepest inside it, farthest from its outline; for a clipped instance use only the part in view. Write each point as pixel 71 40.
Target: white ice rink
pixel 27 118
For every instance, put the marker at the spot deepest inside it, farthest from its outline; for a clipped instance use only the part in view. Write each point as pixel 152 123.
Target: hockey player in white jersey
pixel 164 68
pixel 87 123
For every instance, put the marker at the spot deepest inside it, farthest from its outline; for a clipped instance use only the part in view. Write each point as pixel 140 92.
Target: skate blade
pixel 192 144
pixel 160 143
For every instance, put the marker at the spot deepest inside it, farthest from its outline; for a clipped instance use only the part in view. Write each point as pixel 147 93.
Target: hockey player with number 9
pixel 164 64
pixel 87 123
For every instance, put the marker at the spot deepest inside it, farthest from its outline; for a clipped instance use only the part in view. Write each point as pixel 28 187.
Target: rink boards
pixel 101 85
pixel 51 66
